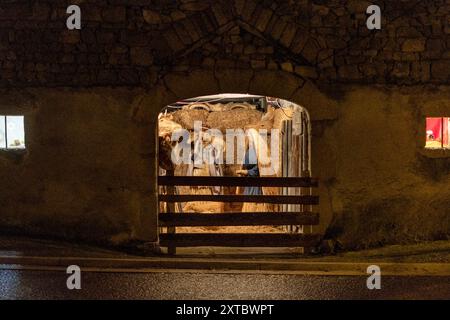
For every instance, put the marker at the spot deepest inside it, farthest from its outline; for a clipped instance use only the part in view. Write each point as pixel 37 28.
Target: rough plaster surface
pixel 385 190
pixel 87 169
pixel 91 100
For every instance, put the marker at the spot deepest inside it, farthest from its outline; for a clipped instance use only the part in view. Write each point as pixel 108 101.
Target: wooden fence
pixel 171 220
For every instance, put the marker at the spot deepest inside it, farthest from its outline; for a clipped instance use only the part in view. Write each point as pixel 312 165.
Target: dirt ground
pixel 435 145
pixel 255 229
pixel 424 252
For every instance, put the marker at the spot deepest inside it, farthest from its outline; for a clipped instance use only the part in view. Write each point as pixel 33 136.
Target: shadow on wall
pixel 435 169
pixel 382 222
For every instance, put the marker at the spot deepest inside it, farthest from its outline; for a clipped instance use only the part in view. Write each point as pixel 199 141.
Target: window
pixel 12 132
pixel 437 134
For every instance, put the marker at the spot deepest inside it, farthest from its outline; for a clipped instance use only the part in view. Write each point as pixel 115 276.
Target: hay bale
pixel 202 206
pixel 186 117
pixel 238 106
pixel 254 207
pixel 197 106
pixel 166 126
pixel 217 107
pixel 233 119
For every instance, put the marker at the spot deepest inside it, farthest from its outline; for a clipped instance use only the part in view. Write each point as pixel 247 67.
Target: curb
pixel 94 264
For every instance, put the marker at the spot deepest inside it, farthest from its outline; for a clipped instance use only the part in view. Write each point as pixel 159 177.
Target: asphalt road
pixel 20 284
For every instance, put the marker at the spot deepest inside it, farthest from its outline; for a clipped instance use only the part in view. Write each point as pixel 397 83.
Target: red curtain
pixel 434 125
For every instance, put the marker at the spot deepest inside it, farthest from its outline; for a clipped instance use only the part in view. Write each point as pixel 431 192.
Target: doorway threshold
pixel 237 252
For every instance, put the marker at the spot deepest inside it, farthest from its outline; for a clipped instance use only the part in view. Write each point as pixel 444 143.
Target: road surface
pixel 27 284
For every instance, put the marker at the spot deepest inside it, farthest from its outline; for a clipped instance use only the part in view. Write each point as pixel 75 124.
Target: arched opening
pixel 234 136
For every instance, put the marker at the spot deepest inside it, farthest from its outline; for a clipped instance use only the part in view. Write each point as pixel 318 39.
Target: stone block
pixel 349 72
pixel 306 71
pixel 287 66
pixel 263 19
pixel 414 45
pixel 401 70
pixel 440 70
pixel 151 16
pixel 70 36
pixel 141 56
pixel 114 14
pixel 288 35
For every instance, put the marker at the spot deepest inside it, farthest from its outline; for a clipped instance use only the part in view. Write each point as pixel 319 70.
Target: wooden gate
pixel 305 216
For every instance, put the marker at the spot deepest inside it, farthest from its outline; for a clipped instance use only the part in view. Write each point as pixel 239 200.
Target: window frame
pixel 421 136
pixel 7 148
pixel 441 133
pixel 5 136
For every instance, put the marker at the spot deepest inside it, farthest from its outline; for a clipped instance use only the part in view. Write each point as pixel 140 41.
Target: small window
pixel 437 133
pixel 12 132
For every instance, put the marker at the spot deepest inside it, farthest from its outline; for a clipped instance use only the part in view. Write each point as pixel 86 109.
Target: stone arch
pixel 292 40
pixel 177 86
pixel 199 82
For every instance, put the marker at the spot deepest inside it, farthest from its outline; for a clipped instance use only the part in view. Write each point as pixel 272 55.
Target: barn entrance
pixel 235 171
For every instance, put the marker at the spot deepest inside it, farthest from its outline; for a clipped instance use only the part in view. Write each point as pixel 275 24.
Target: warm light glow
pixel 437 133
pixel 12 132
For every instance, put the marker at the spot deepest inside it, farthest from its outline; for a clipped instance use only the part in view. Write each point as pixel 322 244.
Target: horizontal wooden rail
pixel 238 181
pixel 308 200
pixel 238 219
pixel 238 240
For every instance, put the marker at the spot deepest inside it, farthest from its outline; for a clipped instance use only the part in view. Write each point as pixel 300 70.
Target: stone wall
pixel 91 98
pixel 87 169
pixel 133 42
